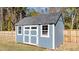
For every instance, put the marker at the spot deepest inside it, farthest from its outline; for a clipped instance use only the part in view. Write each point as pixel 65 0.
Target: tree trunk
pixel 73 18
pixel 1 17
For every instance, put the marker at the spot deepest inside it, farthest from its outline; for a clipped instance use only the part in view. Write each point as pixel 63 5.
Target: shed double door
pixel 31 34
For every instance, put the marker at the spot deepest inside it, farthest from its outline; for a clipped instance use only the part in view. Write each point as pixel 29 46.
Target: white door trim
pixel 23 34
pixel 30 34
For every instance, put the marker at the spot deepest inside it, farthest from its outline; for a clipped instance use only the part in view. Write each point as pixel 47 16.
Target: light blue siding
pixel 59 37
pixel 19 38
pixel 46 41
pixel 42 41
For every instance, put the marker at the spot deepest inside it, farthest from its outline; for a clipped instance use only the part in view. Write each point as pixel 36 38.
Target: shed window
pixel 33 27
pixel 44 30
pixel 19 30
pixel 27 28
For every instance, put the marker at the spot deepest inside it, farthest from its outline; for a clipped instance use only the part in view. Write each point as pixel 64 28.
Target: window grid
pixel 19 30
pixel 44 31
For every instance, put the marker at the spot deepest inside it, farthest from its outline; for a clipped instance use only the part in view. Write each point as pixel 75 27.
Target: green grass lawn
pixel 7 45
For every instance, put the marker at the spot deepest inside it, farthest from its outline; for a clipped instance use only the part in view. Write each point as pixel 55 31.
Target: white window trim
pixel 41 31
pixel 17 30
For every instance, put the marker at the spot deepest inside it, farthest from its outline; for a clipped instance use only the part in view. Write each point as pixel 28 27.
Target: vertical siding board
pixel 59 28
pixel 45 41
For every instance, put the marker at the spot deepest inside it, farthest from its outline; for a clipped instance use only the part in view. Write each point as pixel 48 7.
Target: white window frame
pixel 18 30
pixel 41 31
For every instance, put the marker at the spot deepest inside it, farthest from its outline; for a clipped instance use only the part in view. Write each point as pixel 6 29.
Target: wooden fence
pixel 71 36
pixel 7 35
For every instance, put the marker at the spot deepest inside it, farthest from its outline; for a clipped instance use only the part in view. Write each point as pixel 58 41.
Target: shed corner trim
pixel 53 37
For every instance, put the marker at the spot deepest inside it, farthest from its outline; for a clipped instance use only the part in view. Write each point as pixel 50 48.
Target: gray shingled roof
pixel 41 19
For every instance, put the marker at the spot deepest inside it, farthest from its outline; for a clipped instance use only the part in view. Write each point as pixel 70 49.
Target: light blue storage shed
pixel 45 30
